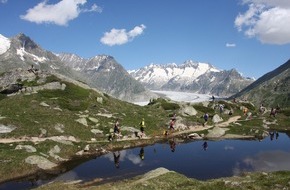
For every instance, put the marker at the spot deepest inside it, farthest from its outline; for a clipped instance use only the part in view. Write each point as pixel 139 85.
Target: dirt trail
pixel 36 139
pixel 201 128
pixel 191 130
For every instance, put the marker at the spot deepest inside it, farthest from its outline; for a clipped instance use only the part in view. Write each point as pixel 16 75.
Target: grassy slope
pixel 172 180
pixel 26 113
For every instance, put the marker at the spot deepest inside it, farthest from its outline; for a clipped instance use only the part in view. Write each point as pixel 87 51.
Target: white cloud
pixel 121 36
pixel 265 20
pixel 230 45
pixel 3 1
pixel 60 13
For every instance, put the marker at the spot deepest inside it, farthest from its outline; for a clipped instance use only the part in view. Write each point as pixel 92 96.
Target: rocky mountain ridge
pixel 191 76
pixel 272 89
pixel 101 72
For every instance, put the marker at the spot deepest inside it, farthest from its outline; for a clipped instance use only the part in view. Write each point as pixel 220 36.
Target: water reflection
pixel 267 161
pixel 117 159
pixel 221 159
pixel 141 154
pixel 172 144
pixel 205 146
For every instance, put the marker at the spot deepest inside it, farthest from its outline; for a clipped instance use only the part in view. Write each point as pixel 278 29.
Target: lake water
pixel 220 159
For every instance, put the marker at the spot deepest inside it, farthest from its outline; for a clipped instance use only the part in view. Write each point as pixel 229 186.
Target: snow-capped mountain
pixel 101 72
pixel 155 76
pixel 191 76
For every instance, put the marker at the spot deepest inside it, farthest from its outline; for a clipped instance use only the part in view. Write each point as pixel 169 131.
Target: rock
pixel 82 121
pixel 93 120
pixel 100 100
pixel 216 132
pixel 41 162
pixel 96 131
pixel 28 148
pixel 216 118
pixel 44 104
pixel 6 129
pixel 87 148
pixel 152 174
pixel 194 136
pixel 188 110
pixel 43 133
pixel 59 127
pixel 55 150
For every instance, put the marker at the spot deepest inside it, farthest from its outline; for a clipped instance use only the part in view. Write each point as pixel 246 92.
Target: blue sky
pixel 252 36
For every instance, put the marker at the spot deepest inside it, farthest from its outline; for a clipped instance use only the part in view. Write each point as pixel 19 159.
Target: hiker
pixel 273 112
pixel 117 159
pixel 213 98
pixel 117 128
pixel 205 117
pixel 171 125
pixel 174 117
pixel 261 109
pixel 142 153
pixel 221 108
pixel 205 145
pixel 142 126
pixel 245 110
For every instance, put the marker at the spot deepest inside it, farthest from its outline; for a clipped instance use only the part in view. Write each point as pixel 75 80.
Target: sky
pixel 252 36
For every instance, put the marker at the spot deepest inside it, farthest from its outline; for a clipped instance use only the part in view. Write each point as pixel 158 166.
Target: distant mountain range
pixel 104 73
pixel 101 72
pixel 191 76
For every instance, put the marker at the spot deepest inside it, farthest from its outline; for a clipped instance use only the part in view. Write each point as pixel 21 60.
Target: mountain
pixel 191 76
pixel 106 74
pixel 272 89
pixel 101 72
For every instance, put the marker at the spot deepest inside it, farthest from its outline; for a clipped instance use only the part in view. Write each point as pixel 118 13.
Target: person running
pixel 117 128
pixel 205 117
pixel 171 125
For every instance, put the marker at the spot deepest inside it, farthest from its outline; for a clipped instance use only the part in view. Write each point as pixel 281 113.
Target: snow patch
pixel 4 44
pixel 21 52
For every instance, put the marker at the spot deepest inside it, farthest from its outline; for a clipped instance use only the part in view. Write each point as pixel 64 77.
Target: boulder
pixel 216 118
pixel 27 148
pixel 216 132
pixel 41 162
pixel 188 110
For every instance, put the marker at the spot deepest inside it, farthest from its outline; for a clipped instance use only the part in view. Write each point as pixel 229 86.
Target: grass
pixel 66 106
pixel 172 180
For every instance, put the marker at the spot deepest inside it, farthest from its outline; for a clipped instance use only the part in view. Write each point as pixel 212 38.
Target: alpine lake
pixel 192 158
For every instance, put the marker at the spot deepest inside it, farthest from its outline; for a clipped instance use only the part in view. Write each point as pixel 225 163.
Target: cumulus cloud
pixel 121 36
pixel 60 13
pixel 3 1
pixel 266 20
pixel 230 45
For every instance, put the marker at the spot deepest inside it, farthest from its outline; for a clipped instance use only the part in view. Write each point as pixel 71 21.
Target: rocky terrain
pixel 272 89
